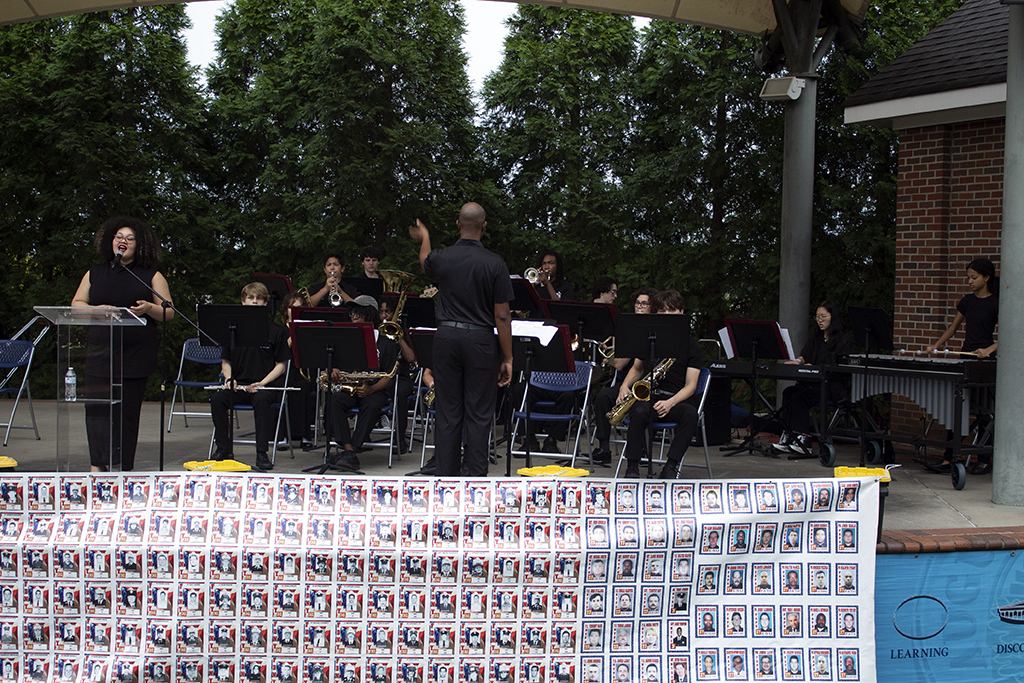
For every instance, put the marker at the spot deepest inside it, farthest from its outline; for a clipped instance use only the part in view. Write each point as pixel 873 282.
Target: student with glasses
pixel 130 251
pixel 826 340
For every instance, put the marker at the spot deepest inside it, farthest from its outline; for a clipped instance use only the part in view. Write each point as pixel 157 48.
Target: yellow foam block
pixel 216 466
pixel 6 462
pixel 880 472
pixel 552 471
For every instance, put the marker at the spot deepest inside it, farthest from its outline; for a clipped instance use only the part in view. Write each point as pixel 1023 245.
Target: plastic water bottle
pixel 70 385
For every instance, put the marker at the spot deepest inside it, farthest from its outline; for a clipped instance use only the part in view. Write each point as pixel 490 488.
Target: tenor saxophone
pixel 350 381
pixel 640 391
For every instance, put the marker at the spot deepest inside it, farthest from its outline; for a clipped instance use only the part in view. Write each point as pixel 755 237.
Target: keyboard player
pixel 826 340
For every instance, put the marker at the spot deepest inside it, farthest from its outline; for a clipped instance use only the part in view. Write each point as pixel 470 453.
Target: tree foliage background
pixel 331 124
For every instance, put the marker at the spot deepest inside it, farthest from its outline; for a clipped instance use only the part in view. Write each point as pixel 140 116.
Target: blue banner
pixel 950 617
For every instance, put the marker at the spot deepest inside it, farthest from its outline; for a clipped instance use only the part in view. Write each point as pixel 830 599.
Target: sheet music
pixel 534 328
pixel 723 335
pixel 788 341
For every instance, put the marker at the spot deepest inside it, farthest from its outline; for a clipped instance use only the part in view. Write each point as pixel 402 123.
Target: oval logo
pixel 920 617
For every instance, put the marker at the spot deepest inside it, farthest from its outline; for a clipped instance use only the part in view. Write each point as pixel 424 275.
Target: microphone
pixel 117 259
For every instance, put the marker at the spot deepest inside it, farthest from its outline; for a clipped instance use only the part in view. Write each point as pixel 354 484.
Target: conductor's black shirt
pixel 471 279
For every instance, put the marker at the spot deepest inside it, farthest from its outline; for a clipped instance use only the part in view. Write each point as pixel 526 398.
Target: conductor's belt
pixel 465 326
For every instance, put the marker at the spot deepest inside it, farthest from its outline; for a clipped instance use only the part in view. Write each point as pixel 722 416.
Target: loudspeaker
pixel 718 411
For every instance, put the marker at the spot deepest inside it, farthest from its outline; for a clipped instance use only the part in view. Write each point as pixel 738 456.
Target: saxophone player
pixel 370 397
pixel 333 291
pixel 673 399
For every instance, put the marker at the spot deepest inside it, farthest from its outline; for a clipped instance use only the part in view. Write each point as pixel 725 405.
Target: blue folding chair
pixel 559 382
pixel 14 354
pixel 193 352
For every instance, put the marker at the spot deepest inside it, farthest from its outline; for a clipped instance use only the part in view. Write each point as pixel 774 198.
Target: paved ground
pixel 918 499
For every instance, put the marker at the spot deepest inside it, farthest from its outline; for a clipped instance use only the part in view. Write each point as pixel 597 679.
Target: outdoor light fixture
pixel 782 89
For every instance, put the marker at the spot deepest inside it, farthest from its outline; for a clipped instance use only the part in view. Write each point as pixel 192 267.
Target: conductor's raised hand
pixel 419 231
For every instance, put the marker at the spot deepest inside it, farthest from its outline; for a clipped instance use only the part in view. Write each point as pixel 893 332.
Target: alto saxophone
pixel 640 391
pixel 351 381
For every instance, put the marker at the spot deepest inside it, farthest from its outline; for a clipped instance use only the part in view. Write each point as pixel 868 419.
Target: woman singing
pixel 826 339
pixel 127 246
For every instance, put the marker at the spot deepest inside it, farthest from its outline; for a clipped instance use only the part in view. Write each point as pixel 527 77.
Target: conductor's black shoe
pixel 263 462
pixel 430 467
pixel 632 471
pixel 220 456
pixel 601 455
pixel 670 471
pixel 551 446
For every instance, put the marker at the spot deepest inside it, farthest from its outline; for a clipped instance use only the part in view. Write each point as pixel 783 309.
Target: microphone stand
pixel 164 305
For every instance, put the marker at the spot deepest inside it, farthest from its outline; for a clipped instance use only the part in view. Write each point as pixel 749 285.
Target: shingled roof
pixel 966 50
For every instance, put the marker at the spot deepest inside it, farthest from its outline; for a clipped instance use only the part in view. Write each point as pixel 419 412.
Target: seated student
pixel 826 340
pixel 301 404
pixel 333 269
pixel 406 357
pixel 248 369
pixel 370 397
pixel 370 257
pixel 673 399
pixel 551 282
pixel 606 398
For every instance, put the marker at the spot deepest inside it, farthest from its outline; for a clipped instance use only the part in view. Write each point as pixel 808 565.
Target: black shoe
pixel 670 471
pixel 221 456
pixel 551 446
pixel 348 460
pixel 307 445
pixel 632 471
pixel 982 468
pixel 534 445
pixel 601 455
pixel 263 462
pixel 430 468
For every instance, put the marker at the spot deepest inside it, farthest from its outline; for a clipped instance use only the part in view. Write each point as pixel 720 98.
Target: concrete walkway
pixel 918 499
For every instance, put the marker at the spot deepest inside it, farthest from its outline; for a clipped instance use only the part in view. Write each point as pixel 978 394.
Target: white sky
pixel 483 42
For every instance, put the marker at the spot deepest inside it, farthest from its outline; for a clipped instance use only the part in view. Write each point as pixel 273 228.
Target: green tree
pixel 557 113
pixel 102 114
pixel 340 122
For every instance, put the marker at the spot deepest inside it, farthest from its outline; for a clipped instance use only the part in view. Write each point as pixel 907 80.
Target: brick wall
pixel 949 211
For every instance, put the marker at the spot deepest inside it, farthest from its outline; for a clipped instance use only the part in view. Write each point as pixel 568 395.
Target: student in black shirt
pixel 333 269
pixel 244 373
pixel 980 310
pixel 551 282
pixel 826 341
pixel 370 397
pixel 469 363
pixel 673 399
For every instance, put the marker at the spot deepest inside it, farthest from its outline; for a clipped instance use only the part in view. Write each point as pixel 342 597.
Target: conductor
pixel 474 293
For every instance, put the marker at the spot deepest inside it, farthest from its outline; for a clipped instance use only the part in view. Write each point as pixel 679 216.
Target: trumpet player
pixel 673 399
pixel 551 283
pixel 245 372
pixel 370 397
pixel 333 291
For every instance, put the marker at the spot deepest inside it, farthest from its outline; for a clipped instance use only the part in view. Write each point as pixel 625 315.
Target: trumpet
pixel 532 275
pixel 335 295
pixel 640 391
pixel 390 328
pixel 428 398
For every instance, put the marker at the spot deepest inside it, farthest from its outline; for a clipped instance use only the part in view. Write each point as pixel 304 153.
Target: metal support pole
pixel 797 214
pixel 1008 458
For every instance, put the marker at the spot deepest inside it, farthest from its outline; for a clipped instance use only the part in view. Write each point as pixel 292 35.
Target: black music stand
pixel 232 326
pixel 586 320
pixel 757 340
pixel 320 314
pixel 418 311
pixel 871 329
pixel 350 346
pixel 529 354
pixel 279 287
pixel 652 337
pixel 525 298
pixel 365 285
pixel 422 342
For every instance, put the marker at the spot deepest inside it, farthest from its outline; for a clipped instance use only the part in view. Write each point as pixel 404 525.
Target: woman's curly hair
pixel 147 247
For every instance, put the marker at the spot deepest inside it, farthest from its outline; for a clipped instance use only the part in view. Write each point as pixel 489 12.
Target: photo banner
pixel 281 578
